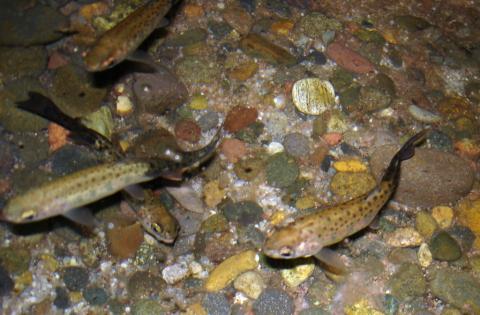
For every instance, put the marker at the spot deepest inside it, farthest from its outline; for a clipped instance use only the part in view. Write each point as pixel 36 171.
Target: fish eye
pixel 156 228
pixel 28 215
pixel 286 252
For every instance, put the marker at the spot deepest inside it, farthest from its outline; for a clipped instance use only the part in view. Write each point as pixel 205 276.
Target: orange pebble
pixel 57 136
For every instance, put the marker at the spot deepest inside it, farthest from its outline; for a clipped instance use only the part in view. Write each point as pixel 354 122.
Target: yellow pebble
pixel 352 165
pixel 424 255
pixel 49 262
pixel 293 277
pixel 443 215
pixel 362 307
pixel 196 309
pixel 278 217
pixel 23 281
pixel 213 194
pixel 305 203
pixel 469 215
pixel 198 102
pixel 231 268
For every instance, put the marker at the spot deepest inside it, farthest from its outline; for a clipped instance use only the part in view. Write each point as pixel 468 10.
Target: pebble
pixel 469 216
pixel 123 242
pixel 350 185
pixel 213 194
pixel 251 283
pixel 468 148
pixel 424 255
pixel 457 288
pixel 15 260
pixel 349 59
pixel 238 18
pixel 239 118
pixel 219 29
pixel 313 96
pixel 244 212
pixel 423 115
pixel 208 121
pixel 124 105
pixel 244 71
pixel 230 269
pixel 425 224
pixel 233 149
pixel 147 307
pixel 444 247
pixel 176 272
pixel 443 215
pixel 95 296
pixel 23 281
pixel 258 46
pixel 196 309
pixel 214 224
pixel 430 178
pixel 281 170
pixel 6 283
pixel 361 307
pixel 197 70
pixel 407 282
pixel 314 311
pixel 296 144
pixel 349 165
pixel 75 278
pixel 62 300
pixel 315 24
pixel 295 276
pixel 332 138
pixel 198 102
pixel 372 99
pixel 154 144
pixel 404 237
pixel 188 37
pixel 143 284
pixel 216 304
pixel 249 169
pixel 273 301
pixel 187 130
pixel 20 61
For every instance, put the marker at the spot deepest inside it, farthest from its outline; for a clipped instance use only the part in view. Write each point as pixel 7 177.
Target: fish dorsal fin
pixel 82 216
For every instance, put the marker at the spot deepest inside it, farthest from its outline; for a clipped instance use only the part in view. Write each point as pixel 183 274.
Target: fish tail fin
pixel 406 152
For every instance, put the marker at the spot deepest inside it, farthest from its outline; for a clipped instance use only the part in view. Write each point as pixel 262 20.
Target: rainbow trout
pixel 68 194
pixel 123 39
pixel 309 235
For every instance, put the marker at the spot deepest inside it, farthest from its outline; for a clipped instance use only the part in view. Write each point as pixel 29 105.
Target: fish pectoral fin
pixel 135 191
pixel 143 57
pixel 332 260
pixel 81 216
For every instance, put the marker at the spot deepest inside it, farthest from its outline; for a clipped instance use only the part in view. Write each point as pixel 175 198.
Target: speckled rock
pixel 315 24
pixel 373 99
pixel 404 237
pixel 95 296
pixel 444 247
pixel 19 62
pixel 408 282
pixel 457 288
pixel 147 307
pixel 187 130
pixel 238 18
pixel 313 96
pixel 350 185
pixel 195 70
pixel 154 144
pixel 251 283
pixel 296 144
pixel 219 29
pixel 75 278
pixel 176 272
pixel 240 117
pixel 293 277
pixel 428 179
pixel 216 304
pixel 208 121
pixel 6 283
pixel 62 300
pixel 143 284
pixel 273 301
pixel 15 260
pixel 158 92
pixel 244 212
pixel 349 59
pixel 249 169
pixel 281 170
pixel 26 25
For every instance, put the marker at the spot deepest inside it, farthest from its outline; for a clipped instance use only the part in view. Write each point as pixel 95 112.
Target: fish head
pixel 163 227
pixel 289 243
pixel 18 210
pixel 99 59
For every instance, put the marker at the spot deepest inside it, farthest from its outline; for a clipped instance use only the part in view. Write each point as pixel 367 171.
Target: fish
pixel 67 195
pixel 121 41
pixel 310 235
pixel 154 217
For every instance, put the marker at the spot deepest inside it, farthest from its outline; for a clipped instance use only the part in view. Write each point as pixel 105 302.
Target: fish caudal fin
pixel 406 152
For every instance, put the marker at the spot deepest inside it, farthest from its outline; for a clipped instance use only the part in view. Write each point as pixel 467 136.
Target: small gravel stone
pixel 404 237
pixel 216 304
pixel 425 224
pixel 15 260
pixel 147 307
pixel 443 215
pixel 249 169
pixel 350 185
pixel 408 282
pixel 296 144
pixel 176 272
pixel 444 247
pixel 239 118
pixel 293 277
pixel 62 300
pixel 258 46
pixel 273 301
pixel 188 130
pixel 244 212
pixel 143 284
pixel 75 278
pixel 6 283
pixel 424 255
pixel 313 96
pixel 251 283
pixel 95 296
pixel 123 242
pixel 281 170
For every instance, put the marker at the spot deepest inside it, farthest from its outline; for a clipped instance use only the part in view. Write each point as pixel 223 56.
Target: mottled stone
pixel 408 282
pixel 296 144
pixel 6 282
pixel 251 283
pixel 75 278
pixel 95 296
pixel 15 260
pixel 281 170
pixel 239 118
pixel 258 46
pixel 216 304
pixel 350 185
pixel 143 284
pixel 18 62
pixel 273 301
pixel 444 247
pixel 349 59
pixel 244 212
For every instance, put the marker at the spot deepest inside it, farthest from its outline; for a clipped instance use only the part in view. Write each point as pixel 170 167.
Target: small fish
pixel 309 235
pixel 124 38
pixel 155 218
pixel 68 194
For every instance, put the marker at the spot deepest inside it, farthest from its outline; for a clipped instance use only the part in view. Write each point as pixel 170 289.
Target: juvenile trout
pixel 309 234
pixel 66 195
pixel 123 39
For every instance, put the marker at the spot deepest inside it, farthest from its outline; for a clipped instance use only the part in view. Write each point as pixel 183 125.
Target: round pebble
pixel 273 301
pixel 425 224
pixel 143 284
pixel 404 237
pixel 239 118
pixel 350 185
pixel 249 169
pixel 444 247
pixel 244 212
pixel 95 296
pixel 216 304
pixel 424 255
pixel 281 170
pixel 293 277
pixel 15 260
pixel 62 300
pixel 208 121
pixel 443 215
pixel 188 130
pixel 423 115
pixel 313 96
pixel 408 282
pixel 296 144
pixel 251 283
pixel 175 273
pixel 75 278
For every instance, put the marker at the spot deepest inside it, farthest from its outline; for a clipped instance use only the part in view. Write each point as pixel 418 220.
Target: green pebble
pixel 147 307
pixel 411 23
pixel 408 282
pixel 373 99
pixel 370 36
pixel 341 79
pixel 391 304
pixel 251 133
pixel 148 255
pixel 281 170
pixel 349 97
pixel 188 37
pixel 444 247
pixel 95 296
pixel 15 260
pixel 195 70
pixel 425 224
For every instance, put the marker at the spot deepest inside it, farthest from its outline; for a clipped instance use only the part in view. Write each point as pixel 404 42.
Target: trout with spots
pixel 309 235
pixel 123 39
pixel 68 194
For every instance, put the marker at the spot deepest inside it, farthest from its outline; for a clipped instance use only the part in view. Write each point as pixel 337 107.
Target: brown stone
pixel 239 118
pixel 349 59
pixel 124 242
pixel 233 149
pixel 188 130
